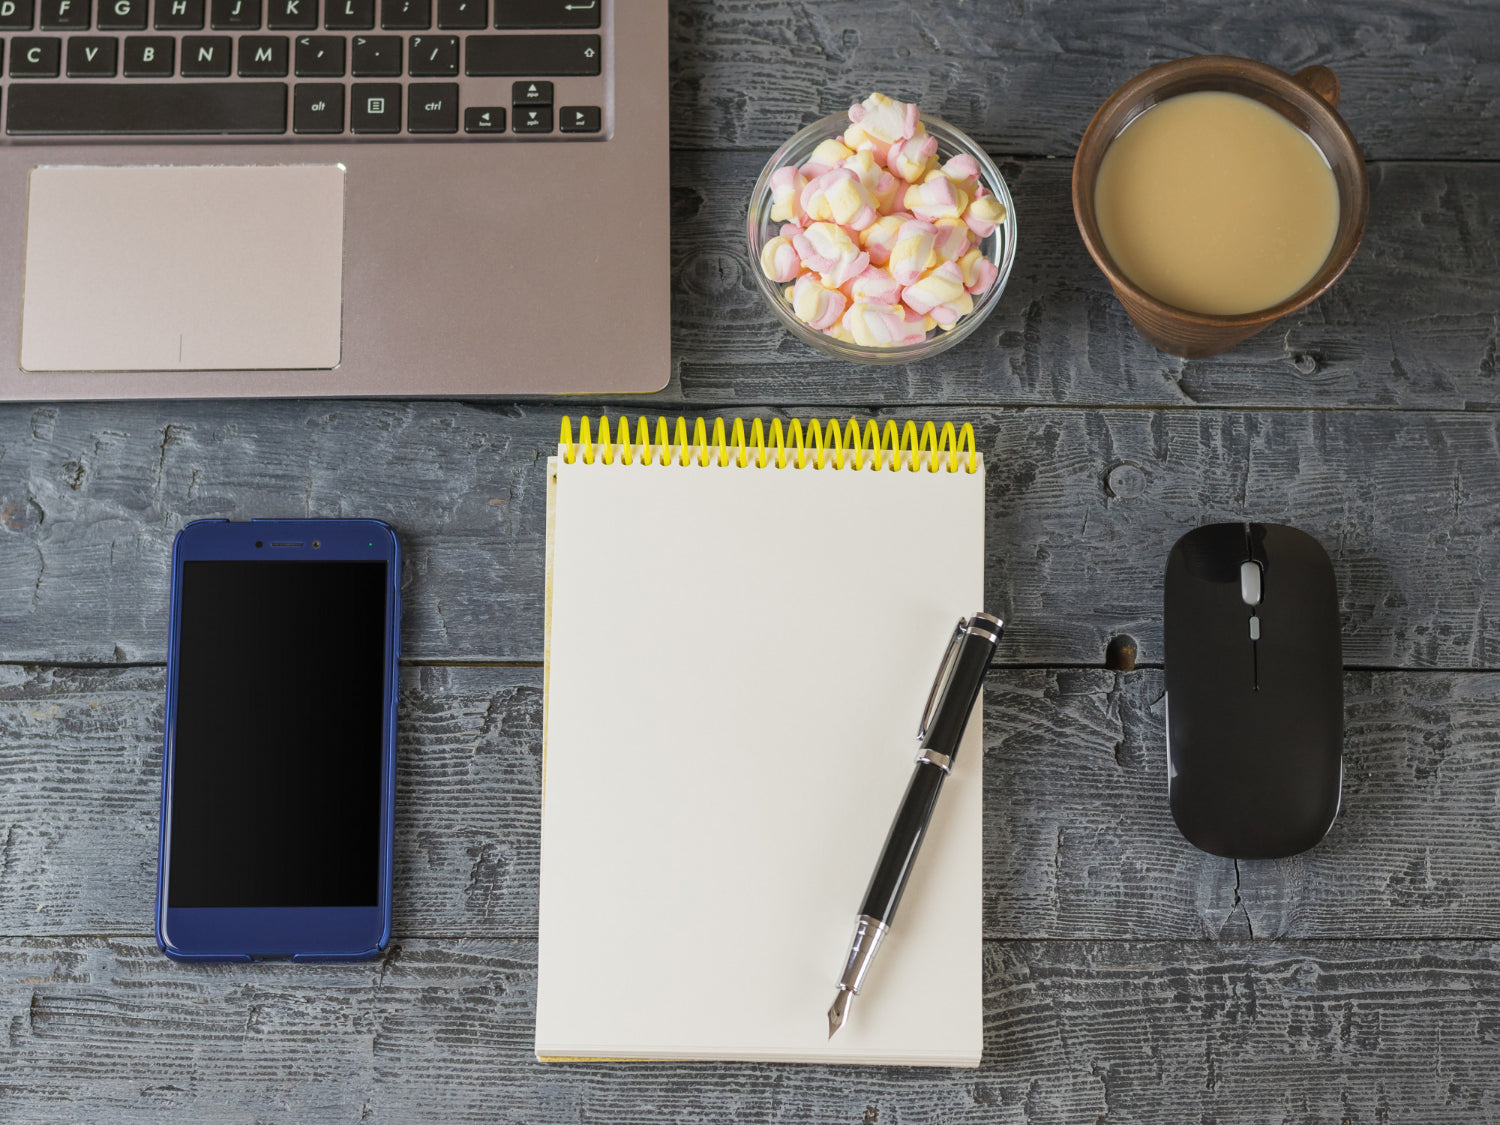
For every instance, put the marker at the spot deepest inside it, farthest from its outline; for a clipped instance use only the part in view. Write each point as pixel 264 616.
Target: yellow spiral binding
pixel 831 444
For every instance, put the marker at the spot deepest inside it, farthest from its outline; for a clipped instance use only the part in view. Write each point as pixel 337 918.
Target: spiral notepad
pixel 743 621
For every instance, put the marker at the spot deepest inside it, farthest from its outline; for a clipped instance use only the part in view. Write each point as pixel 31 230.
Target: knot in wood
pixel 1125 481
pixel 1306 363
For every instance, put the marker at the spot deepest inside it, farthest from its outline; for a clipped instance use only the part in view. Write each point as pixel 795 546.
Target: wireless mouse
pixel 1255 690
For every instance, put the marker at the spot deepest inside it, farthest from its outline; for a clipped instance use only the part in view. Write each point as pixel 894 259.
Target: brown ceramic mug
pixel 1306 99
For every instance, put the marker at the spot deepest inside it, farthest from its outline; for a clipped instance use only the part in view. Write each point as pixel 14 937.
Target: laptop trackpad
pixel 164 268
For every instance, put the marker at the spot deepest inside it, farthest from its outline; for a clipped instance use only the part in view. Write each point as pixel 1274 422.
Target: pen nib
pixel 839 1010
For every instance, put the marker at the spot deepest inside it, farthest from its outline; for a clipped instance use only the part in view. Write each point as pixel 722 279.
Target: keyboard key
pixel 122 15
pixel 241 15
pixel 68 108
pixel 93 56
pixel 15 15
pixel 65 15
pixel 406 15
pixel 377 56
pixel 318 107
pixel 484 119
pixel 206 56
pixel 349 15
pixel 532 119
pixel 149 56
pixel 263 56
pixel 179 15
pixel 462 14
pixel 432 107
pixel 433 55
pixel 298 15
pixel 320 56
pixel 546 13
pixel 34 58
pixel 375 107
pixel 579 119
pixel 531 93
pixel 520 55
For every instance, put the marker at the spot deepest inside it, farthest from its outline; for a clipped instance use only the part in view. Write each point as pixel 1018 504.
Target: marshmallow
pixel 963 170
pixel 779 259
pixel 875 284
pixel 910 256
pixel 912 158
pixel 952 240
pixel 881 235
pixel 849 202
pixel 881 185
pixel 938 287
pixel 820 308
pixel 947 314
pixel 936 197
pixel 872 324
pixel 884 119
pixel 827 156
pixel 985 274
pixel 985 213
pixel 830 251
pixel 786 186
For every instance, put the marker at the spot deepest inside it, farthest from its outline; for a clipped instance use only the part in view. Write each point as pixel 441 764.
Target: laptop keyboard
pixel 445 69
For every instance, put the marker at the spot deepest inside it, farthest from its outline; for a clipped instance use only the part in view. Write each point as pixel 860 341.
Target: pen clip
pixel 945 669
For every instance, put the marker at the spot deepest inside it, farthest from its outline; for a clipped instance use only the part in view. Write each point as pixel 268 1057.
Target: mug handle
pixel 1321 81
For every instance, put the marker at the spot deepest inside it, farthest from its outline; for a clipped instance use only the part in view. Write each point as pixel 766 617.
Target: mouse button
pixel 1250 582
pixel 1211 553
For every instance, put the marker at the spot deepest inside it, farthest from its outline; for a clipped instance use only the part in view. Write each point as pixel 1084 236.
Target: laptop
pixel 233 198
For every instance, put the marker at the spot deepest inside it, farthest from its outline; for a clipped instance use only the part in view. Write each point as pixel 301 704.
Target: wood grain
pixel 1083 506
pixel 108 1030
pixel 1413 323
pixel 1079 843
pixel 1417 80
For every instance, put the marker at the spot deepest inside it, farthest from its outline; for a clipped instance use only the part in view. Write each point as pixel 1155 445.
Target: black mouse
pixel 1255 689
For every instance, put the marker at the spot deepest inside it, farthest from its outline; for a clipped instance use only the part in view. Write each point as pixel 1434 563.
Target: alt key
pixel 578 119
pixel 484 119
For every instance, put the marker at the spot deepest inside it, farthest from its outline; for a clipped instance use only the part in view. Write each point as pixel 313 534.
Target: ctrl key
pixel 318 107
pixel 484 119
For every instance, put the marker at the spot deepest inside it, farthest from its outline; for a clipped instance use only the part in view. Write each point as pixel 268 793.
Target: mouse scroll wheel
pixel 1250 583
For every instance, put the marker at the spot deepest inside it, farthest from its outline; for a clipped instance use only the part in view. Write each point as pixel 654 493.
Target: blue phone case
pixel 283 933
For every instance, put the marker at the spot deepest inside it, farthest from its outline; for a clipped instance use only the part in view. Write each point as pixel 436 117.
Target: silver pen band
pixel 868 934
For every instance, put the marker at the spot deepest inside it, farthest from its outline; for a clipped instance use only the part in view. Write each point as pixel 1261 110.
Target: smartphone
pixel 279 770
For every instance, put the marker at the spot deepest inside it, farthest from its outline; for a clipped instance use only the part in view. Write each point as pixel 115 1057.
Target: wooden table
pixel 1128 976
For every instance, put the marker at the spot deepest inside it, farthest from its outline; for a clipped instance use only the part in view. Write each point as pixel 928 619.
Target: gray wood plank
pixel 1418 79
pixel 107 1030
pixel 1083 506
pixel 1412 323
pixel 1079 843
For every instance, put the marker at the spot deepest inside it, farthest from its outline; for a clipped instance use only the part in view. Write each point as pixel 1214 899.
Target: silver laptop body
pixel 441 233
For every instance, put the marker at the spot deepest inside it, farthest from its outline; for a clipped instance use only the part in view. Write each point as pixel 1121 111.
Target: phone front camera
pixel 316 544
pixel 258 543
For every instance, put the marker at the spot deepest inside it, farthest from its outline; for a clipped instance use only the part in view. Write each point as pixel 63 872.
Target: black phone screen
pixel 278 754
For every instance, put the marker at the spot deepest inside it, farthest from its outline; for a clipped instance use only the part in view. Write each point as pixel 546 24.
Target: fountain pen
pixel 954 691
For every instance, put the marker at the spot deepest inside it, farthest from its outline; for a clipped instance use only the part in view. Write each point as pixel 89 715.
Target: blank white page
pixel 737 663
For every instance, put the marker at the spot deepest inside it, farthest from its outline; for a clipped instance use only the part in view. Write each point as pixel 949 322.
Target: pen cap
pixel 973 648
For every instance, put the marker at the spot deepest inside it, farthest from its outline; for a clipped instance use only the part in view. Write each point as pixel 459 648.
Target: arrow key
pixel 578 119
pixel 532 119
pixel 318 107
pixel 484 119
pixel 531 93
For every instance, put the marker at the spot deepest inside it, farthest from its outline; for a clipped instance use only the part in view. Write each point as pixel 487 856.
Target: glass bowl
pixel 999 247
